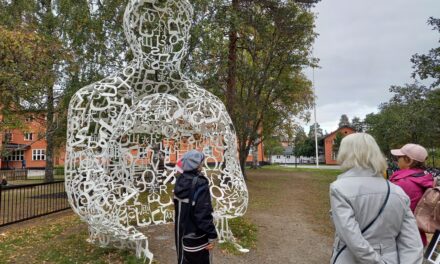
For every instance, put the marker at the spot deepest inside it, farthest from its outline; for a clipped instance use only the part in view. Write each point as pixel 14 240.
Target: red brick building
pixel 26 148
pixel 329 141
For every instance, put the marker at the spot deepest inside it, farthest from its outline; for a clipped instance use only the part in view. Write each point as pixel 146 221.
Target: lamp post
pixel 316 124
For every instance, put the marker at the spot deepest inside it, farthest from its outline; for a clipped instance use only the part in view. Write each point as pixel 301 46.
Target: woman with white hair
pixel 372 217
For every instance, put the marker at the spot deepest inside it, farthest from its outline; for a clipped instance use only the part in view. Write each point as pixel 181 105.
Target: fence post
pixel 1 187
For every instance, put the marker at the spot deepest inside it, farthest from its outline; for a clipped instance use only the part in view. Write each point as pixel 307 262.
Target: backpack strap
pixel 370 224
pixel 190 198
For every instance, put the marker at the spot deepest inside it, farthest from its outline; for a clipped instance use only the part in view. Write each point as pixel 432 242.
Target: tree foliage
pixel 26 62
pixel 91 35
pixel 411 115
pixel 357 124
pixel 337 142
pixel 251 55
pixel 428 65
pixel 344 121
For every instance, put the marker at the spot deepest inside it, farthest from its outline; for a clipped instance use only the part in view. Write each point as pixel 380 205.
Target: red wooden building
pixel 329 141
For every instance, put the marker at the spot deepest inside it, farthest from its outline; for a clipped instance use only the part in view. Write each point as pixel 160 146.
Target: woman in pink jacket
pixel 412 177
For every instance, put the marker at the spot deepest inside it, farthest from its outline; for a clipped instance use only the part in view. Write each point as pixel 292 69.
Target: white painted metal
pixel 125 131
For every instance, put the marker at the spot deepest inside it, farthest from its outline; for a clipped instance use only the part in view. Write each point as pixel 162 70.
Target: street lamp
pixel 316 124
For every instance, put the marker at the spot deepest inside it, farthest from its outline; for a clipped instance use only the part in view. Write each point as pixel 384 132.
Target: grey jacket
pixel 356 198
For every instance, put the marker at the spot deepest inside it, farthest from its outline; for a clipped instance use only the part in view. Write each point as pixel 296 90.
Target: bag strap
pixel 371 223
pixel 191 198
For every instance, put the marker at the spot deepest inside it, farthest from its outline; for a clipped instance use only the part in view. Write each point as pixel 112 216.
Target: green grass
pixel 63 241
pixel 35 180
pixel 244 231
pixel 318 172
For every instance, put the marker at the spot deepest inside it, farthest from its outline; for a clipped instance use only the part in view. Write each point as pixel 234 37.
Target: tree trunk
pixel 232 60
pixel 255 156
pixel 49 30
pixel 242 157
pixel 50 129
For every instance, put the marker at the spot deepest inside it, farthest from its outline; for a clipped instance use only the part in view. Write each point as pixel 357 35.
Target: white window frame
pixel 38 154
pixel 207 150
pixel 17 155
pixel 28 136
pixel 29 119
pixel 334 155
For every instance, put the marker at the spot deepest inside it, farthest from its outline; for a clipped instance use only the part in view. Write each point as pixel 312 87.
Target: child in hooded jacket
pixel 412 177
pixel 195 231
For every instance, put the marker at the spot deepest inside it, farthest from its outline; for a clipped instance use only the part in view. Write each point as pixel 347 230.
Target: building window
pixel 278 157
pixel 334 154
pixel 17 155
pixel 288 157
pixel 142 152
pixel 30 118
pixel 28 136
pixel 207 150
pixel 38 154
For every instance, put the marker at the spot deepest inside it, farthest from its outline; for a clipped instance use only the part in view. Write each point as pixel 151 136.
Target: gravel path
pixel 284 233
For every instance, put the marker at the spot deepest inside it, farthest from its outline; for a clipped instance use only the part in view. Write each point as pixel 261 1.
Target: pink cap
pixel 413 151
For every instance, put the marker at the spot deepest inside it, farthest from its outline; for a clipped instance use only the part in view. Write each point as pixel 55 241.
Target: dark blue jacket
pixel 199 219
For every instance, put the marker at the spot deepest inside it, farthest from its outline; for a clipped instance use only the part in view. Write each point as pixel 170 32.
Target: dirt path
pixel 285 234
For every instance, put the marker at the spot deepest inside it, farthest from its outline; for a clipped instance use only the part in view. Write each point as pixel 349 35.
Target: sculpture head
pixel 158 31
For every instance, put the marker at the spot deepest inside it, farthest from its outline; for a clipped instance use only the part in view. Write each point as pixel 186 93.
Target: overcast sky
pixel 364 47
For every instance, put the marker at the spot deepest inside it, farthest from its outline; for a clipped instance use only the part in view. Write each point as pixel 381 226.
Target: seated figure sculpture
pixel 126 131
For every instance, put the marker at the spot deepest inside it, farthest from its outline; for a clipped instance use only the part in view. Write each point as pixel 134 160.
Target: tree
pixel 337 142
pixel 409 116
pixel 312 131
pixel 272 146
pixel 249 53
pixel 357 124
pixel 92 35
pixel 257 65
pixel 428 65
pixel 344 121
pixel 26 60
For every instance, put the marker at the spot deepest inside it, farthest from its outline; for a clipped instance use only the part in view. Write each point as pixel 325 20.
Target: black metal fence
pixel 14 175
pixel 23 202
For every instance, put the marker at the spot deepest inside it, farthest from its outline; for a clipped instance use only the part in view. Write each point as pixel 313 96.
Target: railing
pixel 23 202
pixel 14 175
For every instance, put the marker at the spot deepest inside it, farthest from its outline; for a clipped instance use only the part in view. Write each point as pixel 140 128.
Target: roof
pixel 337 130
pixel 288 151
pixel 13 146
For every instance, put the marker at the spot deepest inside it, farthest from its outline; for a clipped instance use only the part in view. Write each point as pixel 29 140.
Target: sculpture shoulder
pixel 198 91
pixel 105 87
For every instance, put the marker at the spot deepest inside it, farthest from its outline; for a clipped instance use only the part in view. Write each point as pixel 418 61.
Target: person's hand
pixel 210 246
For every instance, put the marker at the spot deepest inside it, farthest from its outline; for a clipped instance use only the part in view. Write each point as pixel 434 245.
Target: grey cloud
pixel 364 48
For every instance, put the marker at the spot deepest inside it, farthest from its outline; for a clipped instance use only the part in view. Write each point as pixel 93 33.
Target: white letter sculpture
pixel 125 131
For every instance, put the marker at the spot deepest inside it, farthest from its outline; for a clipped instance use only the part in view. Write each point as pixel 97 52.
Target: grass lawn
pixel 35 180
pixel 62 238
